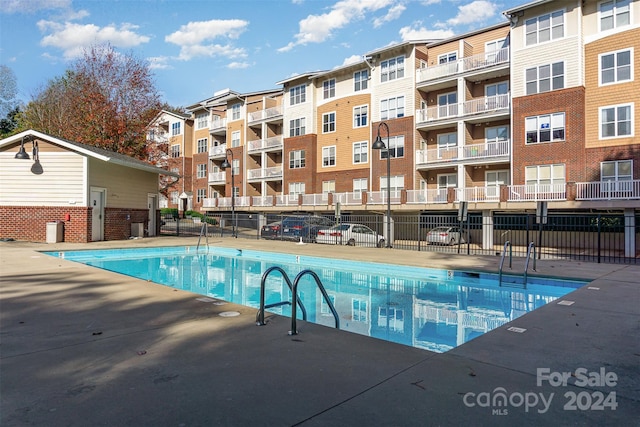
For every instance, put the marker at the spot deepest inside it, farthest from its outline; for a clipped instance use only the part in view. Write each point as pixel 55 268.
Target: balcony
pixel 262 201
pixel 480 108
pixel 272 113
pixel 348 199
pixel 273 173
pixel 240 201
pixel 287 200
pixel 269 144
pixel 321 199
pixel 477 62
pixel 490 152
pixel 380 197
pixel 537 192
pixel 218 126
pixel 478 194
pixel 217 177
pixel 218 151
pixel 608 190
pixel 427 196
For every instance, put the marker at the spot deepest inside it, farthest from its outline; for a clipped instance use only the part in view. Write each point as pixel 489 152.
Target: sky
pixel 198 47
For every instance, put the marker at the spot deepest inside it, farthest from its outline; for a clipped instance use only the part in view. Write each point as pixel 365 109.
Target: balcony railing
pixel 537 192
pixel 218 151
pixel 218 124
pixel 287 200
pixel 380 197
pixel 321 199
pixel 478 194
pixel 269 113
pixel 217 177
pixel 426 196
pixel 275 142
pixel 488 104
pixel 265 173
pixel 608 190
pixel 351 198
pixel 490 150
pixel 470 63
pixel 262 200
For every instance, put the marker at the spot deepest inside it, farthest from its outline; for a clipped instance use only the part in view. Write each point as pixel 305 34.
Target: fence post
pixel 599 235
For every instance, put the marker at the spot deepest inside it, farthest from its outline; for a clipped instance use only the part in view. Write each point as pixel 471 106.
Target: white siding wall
pixel 399 87
pixel 61 182
pixel 305 109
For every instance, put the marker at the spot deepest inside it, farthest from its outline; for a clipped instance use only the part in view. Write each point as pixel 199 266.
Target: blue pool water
pixel 425 308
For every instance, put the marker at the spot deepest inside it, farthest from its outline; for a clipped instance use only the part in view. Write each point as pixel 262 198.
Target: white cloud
pixel 193 36
pixel 159 62
pixel 353 59
pixel 318 28
pixel 421 33
pixel 476 11
pixel 392 14
pixel 238 65
pixel 429 2
pixel 32 6
pixel 72 38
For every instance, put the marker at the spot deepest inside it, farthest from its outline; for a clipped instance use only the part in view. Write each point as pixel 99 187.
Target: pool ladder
pixel 295 299
pixel 204 230
pixel 530 248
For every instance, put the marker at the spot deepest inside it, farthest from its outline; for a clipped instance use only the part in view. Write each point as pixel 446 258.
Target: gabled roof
pixel 90 151
pixel 523 7
pixel 180 116
pixel 309 75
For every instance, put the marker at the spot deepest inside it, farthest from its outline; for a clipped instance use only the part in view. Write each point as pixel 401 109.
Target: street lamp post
pixel 379 145
pixel 225 165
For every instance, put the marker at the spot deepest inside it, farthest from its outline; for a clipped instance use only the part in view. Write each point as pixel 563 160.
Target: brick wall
pixel 117 222
pixel 399 166
pixel 30 222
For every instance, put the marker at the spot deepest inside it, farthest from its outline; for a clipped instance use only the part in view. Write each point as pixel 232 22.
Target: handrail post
pixel 295 299
pixel 504 252
pixel 294 327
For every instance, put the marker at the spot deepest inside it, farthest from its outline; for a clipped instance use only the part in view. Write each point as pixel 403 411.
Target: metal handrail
pixel 526 266
pixel 504 252
pixel 260 315
pixel 294 330
pixel 204 230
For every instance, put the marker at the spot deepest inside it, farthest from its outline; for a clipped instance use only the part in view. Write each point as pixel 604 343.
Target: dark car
pixel 305 227
pixel 272 230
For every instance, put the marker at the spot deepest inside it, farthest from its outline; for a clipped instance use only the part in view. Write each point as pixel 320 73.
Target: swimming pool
pixel 426 308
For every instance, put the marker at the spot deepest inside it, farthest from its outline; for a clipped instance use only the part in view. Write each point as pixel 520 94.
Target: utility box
pixel 137 229
pixel 55 232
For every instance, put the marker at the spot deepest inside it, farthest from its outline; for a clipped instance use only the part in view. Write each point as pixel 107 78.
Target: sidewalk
pixel 82 346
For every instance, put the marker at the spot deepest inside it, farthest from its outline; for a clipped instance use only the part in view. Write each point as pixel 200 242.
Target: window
pixel 235 167
pixel 493 51
pixel 618 170
pixel 544 175
pixel 615 67
pixel 236 191
pixel 360 116
pixel 297 95
pixel 392 108
pixel 395 148
pixel 328 187
pixel 447 145
pixel 328 122
pixel 360 80
pixel 616 121
pixel 614 14
pixel 296 188
pixel 175 197
pixel 235 112
pixel 201 194
pixel 545 78
pixel 235 139
pixel 447 57
pixel 329 88
pixel 544 28
pixel 392 69
pixel 396 182
pixel 493 180
pixel 496 134
pixel 545 128
pixel 360 152
pixel 392 318
pixel 297 127
pixel 202 145
pixel 359 310
pixel 201 170
pixel 296 159
pixel 175 150
pixel 329 156
pixel 447 104
pixel 360 185
pixel 175 129
pixel 202 120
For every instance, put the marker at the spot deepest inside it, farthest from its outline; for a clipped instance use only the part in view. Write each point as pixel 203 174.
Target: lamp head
pixel 225 164
pixel 22 154
pixel 378 144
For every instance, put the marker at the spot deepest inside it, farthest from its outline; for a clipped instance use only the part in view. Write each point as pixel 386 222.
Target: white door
pixel 97 215
pixel 153 206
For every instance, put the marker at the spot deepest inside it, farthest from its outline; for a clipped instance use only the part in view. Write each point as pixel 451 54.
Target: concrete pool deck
pixel 81 346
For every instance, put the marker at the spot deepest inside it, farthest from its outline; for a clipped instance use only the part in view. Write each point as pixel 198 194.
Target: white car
pixel 350 234
pixel 445 236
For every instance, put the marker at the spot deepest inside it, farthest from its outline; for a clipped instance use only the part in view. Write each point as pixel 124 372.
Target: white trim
pixel 614 53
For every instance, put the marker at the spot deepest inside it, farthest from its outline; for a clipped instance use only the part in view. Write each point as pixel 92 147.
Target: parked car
pixel 350 234
pixel 272 230
pixel 295 227
pixel 445 236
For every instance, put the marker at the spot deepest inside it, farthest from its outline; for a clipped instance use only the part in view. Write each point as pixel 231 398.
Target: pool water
pixel 426 308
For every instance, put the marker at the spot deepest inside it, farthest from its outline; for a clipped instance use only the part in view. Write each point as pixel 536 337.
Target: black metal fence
pixel 598 237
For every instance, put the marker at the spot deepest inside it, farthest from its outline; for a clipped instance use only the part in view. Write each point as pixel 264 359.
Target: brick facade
pixel 30 222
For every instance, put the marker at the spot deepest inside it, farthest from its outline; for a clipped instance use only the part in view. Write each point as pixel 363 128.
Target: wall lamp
pixel 22 154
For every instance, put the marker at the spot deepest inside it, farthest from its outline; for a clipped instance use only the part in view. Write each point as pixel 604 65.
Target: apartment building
pixel 538 108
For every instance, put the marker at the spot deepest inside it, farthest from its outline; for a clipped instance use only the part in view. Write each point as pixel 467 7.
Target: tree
pixel 10 123
pixel 8 90
pixel 105 99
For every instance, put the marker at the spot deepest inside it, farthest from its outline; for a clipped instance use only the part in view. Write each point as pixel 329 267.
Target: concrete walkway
pixel 81 346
